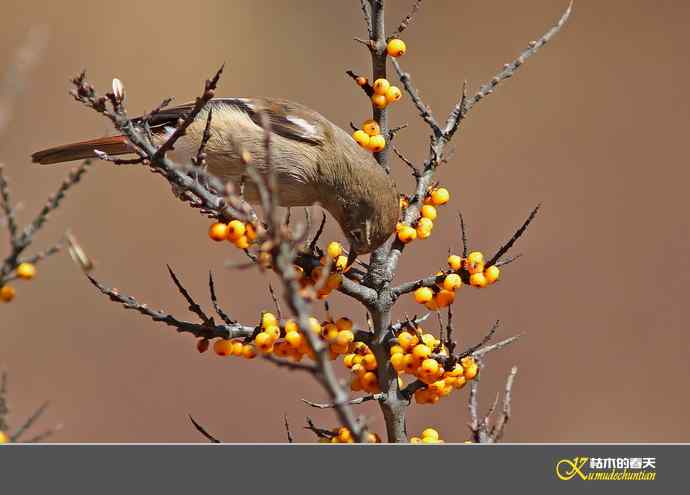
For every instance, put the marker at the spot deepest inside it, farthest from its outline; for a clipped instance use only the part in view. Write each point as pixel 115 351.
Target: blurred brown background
pixel 594 127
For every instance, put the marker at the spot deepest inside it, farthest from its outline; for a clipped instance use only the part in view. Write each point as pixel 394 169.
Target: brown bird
pixel 315 161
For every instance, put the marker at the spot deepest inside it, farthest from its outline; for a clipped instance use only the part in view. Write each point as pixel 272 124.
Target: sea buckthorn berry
pixel 360 348
pixel 334 249
pixel 424 227
pixel 440 196
pixel 358 369
pixel 456 371
pixel 282 349
pixel 492 274
pixel 7 293
pixel 393 94
pixel 369 380
pixel 373 438
pixel 347 360
pixel 369 362
pixel 475 258
pixel 377 143
pixel 454 262
pixel 361 80
pixel 341 263
pixel 478 280
pixel 248 351
pixel 452 282
pixel 404 202
pixel 236 229
pixel 250 232
pixel 430 433
pixel 396 349
pixel 416 439
pixel 428 211
pixel 406 340
pixel 421 351
pixel 329 332
pixel 218 231
pixel 242 242
pixel 396 47
pixel 339 349
pixel 423 295
pixel 429 340
pixel 222 347
pixel 344 337
pixel 291 326
pixel 361 137
pixel 202 345
pixel 379 101
pixel 437 387
pixel 460 382
pixel 268 320
pixel 444 298
pixel 410 364
pixel 407 234
pixel 380 86
pixel 344 434
pixel 356 384
pixel 237 347
pixel 429 367
pixel 371 127
pixel 273 331
pixel 344 323
pixel 397 361
pixel 263 342
pixel 430 440
pixel 432 305
pixel 314 325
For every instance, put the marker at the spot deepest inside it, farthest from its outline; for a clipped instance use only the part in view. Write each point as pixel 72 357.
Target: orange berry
pixel 344 323
pixel 334 281
pixel 410 364
pixel 397 361
pixel 329 332
pixel 250 232
pixel 222 347
pixel 492 274
pixel 396 349
pixel 248 351
pixel 380 86
pixel 7 293
pixel 348 360
pixel 361 137
pixel 218 231
pixel 396 47
pixel 430 433
pixel 475 258
pixel 406 340
pixel 237 347
pixel 379 101
pixel 242 242
pixel 440 196
pixel 264 342
pixel 407 234
pixel 428 211
pixel 423 295
pixel 369 379
pixel 376 143
pixel 371 127
pixel 369 362
pixel 454 262
pixel 404 203
pixel 361 80
pixel 424 227
pixel 26 271
pixel 429 367
pixel 268 320
pixel 282 349
pixel 356 384
pixel 273 331
pixel 344 337
pixel 452 282
pixel 478 280
pixel 291 326
pixel 236 229
pixel 444 298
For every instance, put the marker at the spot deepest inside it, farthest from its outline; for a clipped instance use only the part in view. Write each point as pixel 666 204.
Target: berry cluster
pixel 470 270
pixel 24 271
pixel 343 435
pixel 437 196
pixel 362 362
pixel 428 436
pixel 369 136
pixel 239 233
pixel 416 354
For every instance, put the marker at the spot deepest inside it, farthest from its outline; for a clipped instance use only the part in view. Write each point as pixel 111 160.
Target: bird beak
pixel 351 257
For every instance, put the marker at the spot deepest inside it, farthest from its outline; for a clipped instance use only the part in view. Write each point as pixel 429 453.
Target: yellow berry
pixel 393 94
pixel 380 86
pixel 415 439
pixel 4 438
pixel 452 282
pixel 429 212
pixel 291 326
pixel 218 231
pixel 396 47
pixel 344 337
pixel 406 340
pixel 237 347
pixel 242 242
pixel 334 249
pixel 396 349
pixel 348 360
pixel 222 347
pixel 373 438
pixel 294 338
pixel 268 320
pixel 404 202
pixel 329 332
pixel 454 262
pixel 371 127
pixel 314 325
pixel 430 340
pixel 429 366
pixel 263 342
pixel 369 380
pixel 398 361
pixel 376 143
pixel 369 362
pixel 492 274
pixel 423 295
pixel 341 263
pixel 7 293
pixel 430 433
pixel 273 331
pixel 475 258
pixel 440 196
pixel 344 435
pixel 407 234
pixel 424 228
pixel 236 229
pixel 478 280
pixel 421 351
pixel 379 101
pixel 361 137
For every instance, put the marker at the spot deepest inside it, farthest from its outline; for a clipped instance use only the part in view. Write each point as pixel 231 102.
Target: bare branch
pixel 203 431
pixel 518 233
pixel 352 402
